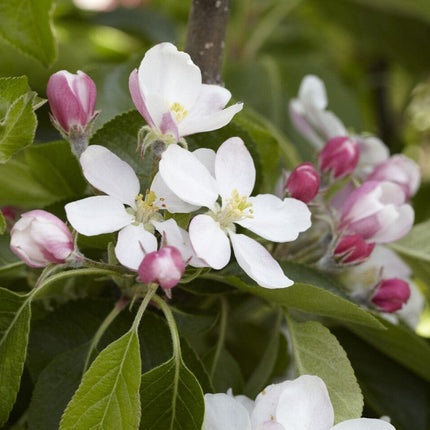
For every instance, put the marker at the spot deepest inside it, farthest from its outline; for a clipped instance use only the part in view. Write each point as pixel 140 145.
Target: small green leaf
pixel 2 223
pixel 318 352
pixel 414 248
pixel 27 26
pixel 55 387
pixel 171 398
pixel 108 397
pixel 15 316
pixel 401 344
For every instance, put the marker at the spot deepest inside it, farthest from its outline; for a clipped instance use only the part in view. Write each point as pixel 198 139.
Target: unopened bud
pixel 303 183
pixel 164 267
pixel 339 156
pixel 391 294
pixel 40 238
pixel 353 249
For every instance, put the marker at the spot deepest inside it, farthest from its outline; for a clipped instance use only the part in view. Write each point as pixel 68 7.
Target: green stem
pixel 150 295
pixel 172 326
pixel 119 306
pixel 221 338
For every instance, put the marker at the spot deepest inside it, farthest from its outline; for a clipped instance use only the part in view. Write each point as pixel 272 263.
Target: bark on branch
pixel 205 37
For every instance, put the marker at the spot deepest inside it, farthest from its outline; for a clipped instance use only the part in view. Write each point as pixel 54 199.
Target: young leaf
pixel 27 26
pixel 318 352
pixel 171 398
pixel 15 316
pixel 108 397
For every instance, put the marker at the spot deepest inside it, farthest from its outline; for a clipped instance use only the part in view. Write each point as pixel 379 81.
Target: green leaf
pixel 18 122
pixel 414 248
pixel 27 26
pixel 55 387
pixel 15 316
pixel 401 344
pixel 318 352
pixel 10 265
pixel 171 398
pixel 307 298
pixel 40 176
pixel 2 223
pixel 108 397
pixel 388 388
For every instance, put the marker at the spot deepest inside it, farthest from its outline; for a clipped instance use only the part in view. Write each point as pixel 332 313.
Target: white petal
pixel 206 156
pixel 328 123
pixel 234 168
pixel 167 199
pixel 171 74
pixel 312 92
pixel 223 412
pixel 97 215
pixel 257 262
pixel 108 173
pixel 364 424
pixel 189 179
pixel 161 114
pixel 277 220
pixel 134 242
pixel 305 405
pixel 212 98
pixel 209 242
pixel 214 121
pixel 395 222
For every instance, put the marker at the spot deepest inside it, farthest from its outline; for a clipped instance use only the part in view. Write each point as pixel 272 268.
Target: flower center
pixel 178 110
pixel 235 208
pixel 146 210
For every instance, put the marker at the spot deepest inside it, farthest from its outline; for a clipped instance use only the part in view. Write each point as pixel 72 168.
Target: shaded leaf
pixel 27 26
pixel 2 223
pixel 15 316
pixel 318 352
pixel 171 398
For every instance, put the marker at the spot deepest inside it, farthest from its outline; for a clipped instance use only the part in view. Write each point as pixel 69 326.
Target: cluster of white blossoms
pixel 301 404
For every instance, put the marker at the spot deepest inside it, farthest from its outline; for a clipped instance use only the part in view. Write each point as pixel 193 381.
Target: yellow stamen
pixel 178 109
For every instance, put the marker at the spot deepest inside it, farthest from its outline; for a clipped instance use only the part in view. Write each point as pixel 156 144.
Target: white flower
pixel 301 404
pixel 168 92
pixel 231 174
pixel 123 208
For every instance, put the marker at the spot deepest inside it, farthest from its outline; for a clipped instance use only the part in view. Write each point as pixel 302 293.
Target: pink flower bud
pixel 40 238
pixel 353 249
pixel 401 170
pixel 72 99
pixel 303 183
pixel 339 156
pixel 165 267
pixel 377 212
pixel 391 294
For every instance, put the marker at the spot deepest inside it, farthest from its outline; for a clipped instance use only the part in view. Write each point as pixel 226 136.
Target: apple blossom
pixel 72 98
pixel 40 238
pixel 303 182
pixel 123 208
pixel 168 92
pixel 309 115
pixel 376 211
pixel 165 267
pixel 401 170
pixel 339 156
pixel 301 404
pixel 233 178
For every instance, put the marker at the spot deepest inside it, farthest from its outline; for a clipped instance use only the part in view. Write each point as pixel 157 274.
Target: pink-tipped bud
pixel 339 156
pixel 303 183
pixel 353 249
pixel 165 267
pixel 72 98
pixel 391 294
pixel 40 238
